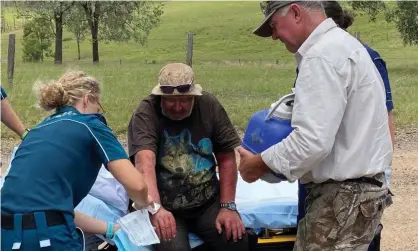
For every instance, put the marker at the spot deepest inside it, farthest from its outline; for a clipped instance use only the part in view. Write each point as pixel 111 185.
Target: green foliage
pixel 37 37
pixel 406 18
pixel 45 9
pixel 129 20
pixel 76 23
pixel 404 14
pixel 371 8
pixel 121 21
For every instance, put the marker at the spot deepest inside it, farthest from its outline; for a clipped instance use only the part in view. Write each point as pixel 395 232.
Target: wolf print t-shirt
pixel 185 150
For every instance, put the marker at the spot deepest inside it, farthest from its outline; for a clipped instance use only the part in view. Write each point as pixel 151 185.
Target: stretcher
pixel 269 211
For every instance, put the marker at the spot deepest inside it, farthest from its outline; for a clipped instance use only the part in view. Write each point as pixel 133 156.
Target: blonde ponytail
pixel 67 90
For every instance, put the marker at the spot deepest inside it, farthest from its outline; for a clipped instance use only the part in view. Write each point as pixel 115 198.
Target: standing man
pixel 344 20
pixel 176 137
pixel 340 145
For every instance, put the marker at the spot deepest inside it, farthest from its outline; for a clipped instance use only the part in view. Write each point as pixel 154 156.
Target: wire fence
pixel 163 50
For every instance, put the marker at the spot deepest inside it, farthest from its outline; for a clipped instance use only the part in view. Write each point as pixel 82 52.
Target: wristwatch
pixel 229 205
pixel 25 133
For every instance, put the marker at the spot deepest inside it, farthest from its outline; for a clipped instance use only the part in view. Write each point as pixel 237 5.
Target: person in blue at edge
pixel 56 165
pixel 11 120
pixel 344 20
pixel 9 117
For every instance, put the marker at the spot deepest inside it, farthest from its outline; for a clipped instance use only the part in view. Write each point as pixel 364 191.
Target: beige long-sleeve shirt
pixel 339 116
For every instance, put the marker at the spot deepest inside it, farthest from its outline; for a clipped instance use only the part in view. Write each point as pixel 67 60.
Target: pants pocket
pixel 6 240
pixel 370 214
pixel 62 239
pixel 358 227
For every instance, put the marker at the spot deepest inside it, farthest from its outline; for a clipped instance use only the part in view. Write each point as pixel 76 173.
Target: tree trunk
pixel 93 15
pixel 78 46
pixel 58 38
pixel 95 41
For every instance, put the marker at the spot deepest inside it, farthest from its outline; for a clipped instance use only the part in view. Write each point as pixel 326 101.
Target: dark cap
pixel 269 8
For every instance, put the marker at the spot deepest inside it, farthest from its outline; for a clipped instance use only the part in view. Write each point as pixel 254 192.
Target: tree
pixel 406 18
pixel 404 14
pixel 372 8
pixel 58 10
pixel 50 11
pixel 37 37
pixel 121 21
pixel 78 25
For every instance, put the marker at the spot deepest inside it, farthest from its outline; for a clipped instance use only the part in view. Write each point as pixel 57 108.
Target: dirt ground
pixel 400 221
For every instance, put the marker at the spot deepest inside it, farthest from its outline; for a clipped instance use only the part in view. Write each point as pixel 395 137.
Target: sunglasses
pixel 93 98
pixel 169 89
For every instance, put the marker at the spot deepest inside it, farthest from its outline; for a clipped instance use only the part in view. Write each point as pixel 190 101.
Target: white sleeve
pixel 320 101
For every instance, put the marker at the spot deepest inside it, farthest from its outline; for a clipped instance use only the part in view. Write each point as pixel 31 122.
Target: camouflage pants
pixel 341 216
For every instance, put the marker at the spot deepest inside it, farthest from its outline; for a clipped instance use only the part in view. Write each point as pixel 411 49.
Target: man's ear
pixel 296 12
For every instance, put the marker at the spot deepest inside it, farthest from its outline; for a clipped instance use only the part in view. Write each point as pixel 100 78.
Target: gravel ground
pixel 400 220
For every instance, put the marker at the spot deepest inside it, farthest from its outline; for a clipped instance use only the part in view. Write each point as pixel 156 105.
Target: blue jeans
pixel 301 201
pixel 61 237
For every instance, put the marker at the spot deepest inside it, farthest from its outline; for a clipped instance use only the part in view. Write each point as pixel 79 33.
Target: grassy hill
pixel 245 72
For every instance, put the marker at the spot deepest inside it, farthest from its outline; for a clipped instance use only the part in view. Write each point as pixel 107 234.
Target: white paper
pixel 154 210
pixel 139 229
pixel 151 210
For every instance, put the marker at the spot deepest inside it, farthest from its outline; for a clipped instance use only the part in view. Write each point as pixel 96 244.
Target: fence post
pixel 189 53
pixel 11 59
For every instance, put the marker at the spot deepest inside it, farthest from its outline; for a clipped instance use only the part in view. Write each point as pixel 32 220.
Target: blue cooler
pixel 269 127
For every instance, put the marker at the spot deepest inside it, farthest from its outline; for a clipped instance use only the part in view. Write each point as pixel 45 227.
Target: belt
pixel 53 218
pixel 368 180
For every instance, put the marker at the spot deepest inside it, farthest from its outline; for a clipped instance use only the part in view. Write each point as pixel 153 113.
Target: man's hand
pixel 164 224
pixel 232 224
pixel 251 167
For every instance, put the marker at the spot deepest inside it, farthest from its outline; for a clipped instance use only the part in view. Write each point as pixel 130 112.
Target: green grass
pixel 12 20
pixel 246 73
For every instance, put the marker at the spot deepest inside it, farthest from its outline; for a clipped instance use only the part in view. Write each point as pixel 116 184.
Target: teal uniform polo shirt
pixel 3 93
pixel 57 163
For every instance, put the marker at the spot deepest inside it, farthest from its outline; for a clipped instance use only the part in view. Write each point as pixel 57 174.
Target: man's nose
pixel 177 107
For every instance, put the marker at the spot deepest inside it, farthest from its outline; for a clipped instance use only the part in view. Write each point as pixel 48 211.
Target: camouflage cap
pixel 269 8
pixel 173 76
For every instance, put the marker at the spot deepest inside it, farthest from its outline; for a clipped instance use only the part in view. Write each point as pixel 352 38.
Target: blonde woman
pixel 56 165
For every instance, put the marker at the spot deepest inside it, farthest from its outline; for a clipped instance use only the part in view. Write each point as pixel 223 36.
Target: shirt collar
pixel 314 37
pixel 67 108
pixel 71 110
